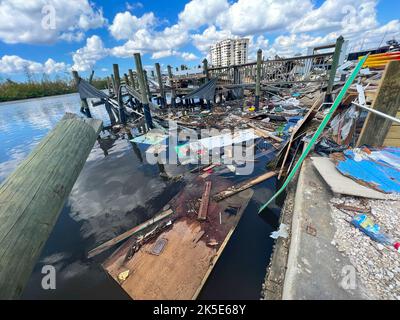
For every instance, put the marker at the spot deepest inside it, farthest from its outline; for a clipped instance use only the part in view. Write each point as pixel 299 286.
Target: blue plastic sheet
pixel 379 169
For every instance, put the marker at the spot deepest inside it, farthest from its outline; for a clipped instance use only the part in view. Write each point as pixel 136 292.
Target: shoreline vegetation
pixel 12 91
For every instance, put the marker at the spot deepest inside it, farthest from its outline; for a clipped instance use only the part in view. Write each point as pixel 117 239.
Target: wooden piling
pixel 258 80
pixel 143 89
pixel 117 79
pixel 84 104
pixel 132 79
pixel 205 70
pixel 160 84
pixel 376 128
pixel 146 80
pixel 335 62
pixel 126 79
pixel 173 93
pixel 32 197
pixel 91 77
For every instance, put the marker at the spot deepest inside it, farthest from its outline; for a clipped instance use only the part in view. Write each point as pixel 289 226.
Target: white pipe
pixel 384 115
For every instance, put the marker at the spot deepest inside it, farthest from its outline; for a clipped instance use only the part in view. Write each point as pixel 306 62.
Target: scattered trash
pixel 373 230
pixel 282 232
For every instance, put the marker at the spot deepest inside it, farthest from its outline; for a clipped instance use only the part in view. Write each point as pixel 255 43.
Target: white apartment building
pixel 229 52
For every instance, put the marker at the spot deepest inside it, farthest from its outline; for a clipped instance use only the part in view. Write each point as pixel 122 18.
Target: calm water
pixel 116 190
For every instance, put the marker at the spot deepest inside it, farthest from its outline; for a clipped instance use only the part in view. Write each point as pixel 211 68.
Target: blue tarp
pixel 378 169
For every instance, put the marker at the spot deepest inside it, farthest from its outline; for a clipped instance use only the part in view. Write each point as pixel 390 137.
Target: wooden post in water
pixel 122 117
pixel 109 85
pixel 160 84
pixel 258 80
pixel 332 73
pixel 173 93
pixel 143 89
pixel 113 85
pixel 84 104
pixel 91 77
pixel 126 79
pixel 132 79
pixel 32 197
pixel 146 80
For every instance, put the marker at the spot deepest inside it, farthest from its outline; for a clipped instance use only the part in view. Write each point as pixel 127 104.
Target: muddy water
pixel 116 190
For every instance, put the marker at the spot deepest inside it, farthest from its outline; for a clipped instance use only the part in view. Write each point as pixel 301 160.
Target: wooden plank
pixel 205 199
pixel 32 197
pixel 394 133
pixel 264 133
pixel 248 184
pixel 387 100
pixel 392 142
pixel 110 243
pixel 317 103
pixel 180 270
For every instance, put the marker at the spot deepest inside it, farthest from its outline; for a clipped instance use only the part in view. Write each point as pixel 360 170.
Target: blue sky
pixel 95 34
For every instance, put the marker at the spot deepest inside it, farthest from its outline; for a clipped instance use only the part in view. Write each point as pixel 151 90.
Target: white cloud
pixel 125 24
pixel 200 12
pixel 85 58
pixel 204 40
pixel 10 64
pixel 149 41
pixel 21 21
pixel 187 56
pixel 249 17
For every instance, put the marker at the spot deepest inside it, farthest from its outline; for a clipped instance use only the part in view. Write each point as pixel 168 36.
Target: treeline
pixel 11 90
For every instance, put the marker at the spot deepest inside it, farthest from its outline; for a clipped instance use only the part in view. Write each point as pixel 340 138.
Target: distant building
pixel 229 52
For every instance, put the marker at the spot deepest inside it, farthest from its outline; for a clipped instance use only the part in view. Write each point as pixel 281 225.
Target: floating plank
pixel 181 269
pixel 205 199
pixel 32 197
pixel 248 184
pixel 110 243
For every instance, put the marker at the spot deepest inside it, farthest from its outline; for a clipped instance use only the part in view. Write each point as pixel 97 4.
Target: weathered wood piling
pixel 117 79
pixel 258 80
pixel 143 91
pixel 84 103
pixel 161 85
pixel 173 92
pixel 32 197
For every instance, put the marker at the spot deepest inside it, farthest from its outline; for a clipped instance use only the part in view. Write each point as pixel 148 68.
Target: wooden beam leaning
pixel 32 197
pixel 387 101
pixel 110 243
pixel 84 104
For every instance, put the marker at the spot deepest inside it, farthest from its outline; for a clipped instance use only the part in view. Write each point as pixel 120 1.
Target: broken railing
pixel 289 70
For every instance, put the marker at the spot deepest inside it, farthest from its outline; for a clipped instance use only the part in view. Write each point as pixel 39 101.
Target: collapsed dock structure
pixel 280 111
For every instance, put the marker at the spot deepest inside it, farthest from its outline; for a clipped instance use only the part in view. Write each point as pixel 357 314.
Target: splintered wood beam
pixel 205 199
pixel 246 185
pixel 110 243
pixel 32 197
pixel 387 100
